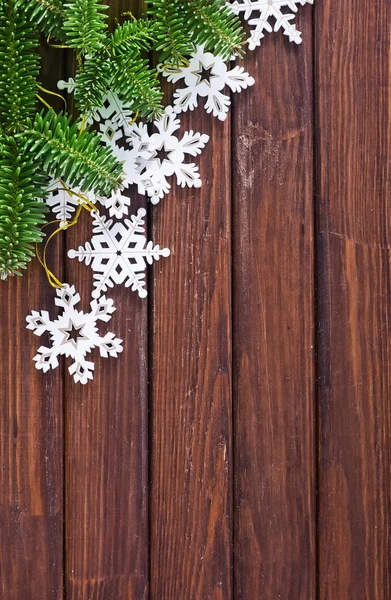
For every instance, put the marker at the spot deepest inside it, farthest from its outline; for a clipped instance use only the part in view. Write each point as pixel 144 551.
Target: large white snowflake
pixel 119 253
pixel 268 10
pixel 162 155
pixel 74 334
pixel 206 76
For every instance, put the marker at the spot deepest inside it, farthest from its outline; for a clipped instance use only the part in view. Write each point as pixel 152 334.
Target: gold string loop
pixel 84 203
pixel 55 45
pixel 53 94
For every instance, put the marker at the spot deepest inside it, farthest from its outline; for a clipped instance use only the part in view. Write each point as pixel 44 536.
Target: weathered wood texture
pixel 353 269
pixel 191 407
pixel 31 435
pixel 218 458
pixel 107 447
pixel 273 333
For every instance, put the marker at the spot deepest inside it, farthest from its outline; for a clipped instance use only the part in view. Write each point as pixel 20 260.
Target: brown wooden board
pixel 189 467
pixel 191 436
pixel 273 330
pixel 353 173
pixel 106 446
pixel 31 431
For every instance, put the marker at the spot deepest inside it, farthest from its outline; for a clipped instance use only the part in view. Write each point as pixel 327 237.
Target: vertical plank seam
pixel 150 382
pixel 317 314
pixel 64 415
pixel 149 228
pixel 233 353
pixel 232 454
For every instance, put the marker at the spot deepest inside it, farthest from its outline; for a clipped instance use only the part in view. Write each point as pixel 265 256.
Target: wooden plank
pixel 273 331
pixel 190 402
pixel 107 449
pixel 31 432
pixel 353 105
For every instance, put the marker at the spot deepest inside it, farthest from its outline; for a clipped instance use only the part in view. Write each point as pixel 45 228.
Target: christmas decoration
pixel 36 146
pixel 269 11
pixel 51 161
pixel 206 76
pixel 118 253
pixel 64 202
pixel 74 334
pixel 161 155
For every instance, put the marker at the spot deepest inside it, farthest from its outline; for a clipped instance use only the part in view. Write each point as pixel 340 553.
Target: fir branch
pixel 85 25
pixel 215 26
pixel 48 15
pixel 76 156
pixel 181 25
pixel 172 31
pixel 19 68
pixel 22 210
pixel 132 37
pixel 137 85
pixel 91 84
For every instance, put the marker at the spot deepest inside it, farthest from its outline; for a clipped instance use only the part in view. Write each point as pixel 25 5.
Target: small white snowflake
pixel 63 203
pixel 161 155
pixel 74 334
pixel 112 109
pixel 119 253
pixel 269 9
pixel 206 76
pixel 118 203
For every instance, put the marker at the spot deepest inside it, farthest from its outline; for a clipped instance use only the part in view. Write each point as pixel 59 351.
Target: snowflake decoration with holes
pixel 205 77
pixel 113 118
pixel 63 203
pixel 269 9
pixel 119 253
pixel 112 109
pixel 118 203
pixel 74 334
pixel 153 169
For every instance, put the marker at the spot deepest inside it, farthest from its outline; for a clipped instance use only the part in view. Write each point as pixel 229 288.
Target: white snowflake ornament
pixel 206 76
pixel 267 10
pixel 74 334
pixel 113 110
pixel 118 253
pixel 63 203
pixel 162 155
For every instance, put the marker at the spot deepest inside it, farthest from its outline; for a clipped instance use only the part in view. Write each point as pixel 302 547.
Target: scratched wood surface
pixel 353 265
pixel 239 447
pixel 273 334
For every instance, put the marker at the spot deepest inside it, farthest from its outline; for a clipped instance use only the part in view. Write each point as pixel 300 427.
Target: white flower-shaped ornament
pixel 206 76
pixel 74 334
pixel 266 11
pixel 163 154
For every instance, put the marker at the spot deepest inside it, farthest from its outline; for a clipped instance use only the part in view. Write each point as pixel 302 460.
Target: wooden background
pixel 240 446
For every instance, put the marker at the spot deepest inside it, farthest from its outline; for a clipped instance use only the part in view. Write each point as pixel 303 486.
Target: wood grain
pixel 187 469
pixel 107 448
pixel 353 116
pixel 191 418
pixel 273 333
pixel 31 433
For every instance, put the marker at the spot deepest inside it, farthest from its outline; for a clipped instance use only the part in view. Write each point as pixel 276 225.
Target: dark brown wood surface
pixel 273 333
pixel 106 451
pixel 31 434
pixel 353 266
pixel 191 404
pixel 239 447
